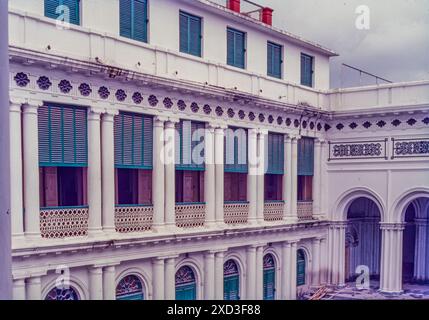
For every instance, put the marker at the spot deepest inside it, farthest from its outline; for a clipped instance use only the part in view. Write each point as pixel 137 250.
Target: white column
pixel 315 279
pixel 317 179
pixel 219 261
pixel 292 267
pixel 420 250
pixel 16 200
pixel 287 180
pixel 251 273
pixel 169 279
pixel 94 172
pixel 209 275
pixel 294 175
pixel 170 175
pixel 109 283
pixel 95 283
pixel 259 273
pixel 323 180
pixel 391 264
pixel 18 289
pixel 31 170
pixel 108 172
pixel 261 177
pixel 219 169
pixel 324 261
pixel 286 277
pixel 34 288
pixel 252 175
pixel 158 173
pixel 158 278
pixel 209 176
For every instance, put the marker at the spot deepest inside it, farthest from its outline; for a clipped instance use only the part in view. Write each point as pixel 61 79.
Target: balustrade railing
pixel 236 212
pixel 133 218
pixel 190 215
pixel 305 210
pixel 63 222
pixel 273 210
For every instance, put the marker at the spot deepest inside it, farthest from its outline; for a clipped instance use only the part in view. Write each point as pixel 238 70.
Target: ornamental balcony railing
pixel 236 212
pixel 64 222
pixel 274 210
pixel 190 215
pixel 305 210
pixel 133 218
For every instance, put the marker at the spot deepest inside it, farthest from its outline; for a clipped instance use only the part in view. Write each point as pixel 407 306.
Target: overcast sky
pixel 395 47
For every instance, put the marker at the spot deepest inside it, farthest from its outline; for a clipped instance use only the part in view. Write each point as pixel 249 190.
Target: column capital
pixel 95 269
pixel 105 265
pixel 95 113
pixel 159 120
pixel 421 222
pixel 112 112
pixel 33 103
pixel 392 226
pixel 31 107
pixel 211 126
pixel 262 132
pixel 290 242
pixel 319 141
pixel 15 101
pixel 173 120
pixel 317 239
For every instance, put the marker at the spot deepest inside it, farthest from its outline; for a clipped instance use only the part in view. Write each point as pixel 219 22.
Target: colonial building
pixel 187 150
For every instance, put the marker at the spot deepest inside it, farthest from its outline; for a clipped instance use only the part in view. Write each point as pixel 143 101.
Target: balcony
pixel 133 218
pixel 190 215
pixel 274 210
pixel 236 212
pixel 64 222
pixel 305 210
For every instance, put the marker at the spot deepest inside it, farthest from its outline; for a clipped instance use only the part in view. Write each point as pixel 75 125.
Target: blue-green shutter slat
pixel 236 50
pixel 239 51
pixel 275 154
pixel 125 18
pixel 184 39
pixel 133 141
pixel 50 8
pixel 300 268
pixel 73 5
pixel 185 146
pixel 230 47
pixel 195 36
pixel 306 156
pixel 306 70
pixel 236 150
pixel 231 288
pixel 133 19
pixel 140 17
pixel 269 284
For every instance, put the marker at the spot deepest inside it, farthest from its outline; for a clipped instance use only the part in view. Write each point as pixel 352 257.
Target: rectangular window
pixel 62 9
pixel 305 188
pixel 274 60
pixel 133 186
pixel 133 19
pixel 189 186
pixel 275 155
pixel 190 34
pixel 273 187
pixel 235 187
pixel 305 168
pixel 236 48
pixel 307 70
pixel 189 145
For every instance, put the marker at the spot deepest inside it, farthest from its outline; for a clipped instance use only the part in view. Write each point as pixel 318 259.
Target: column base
pixel 95 233
pixel 33 236
pixel 390 293
pixel 210 224
pixel 290 220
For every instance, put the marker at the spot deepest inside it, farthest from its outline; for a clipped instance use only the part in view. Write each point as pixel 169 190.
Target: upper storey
pixel 187 40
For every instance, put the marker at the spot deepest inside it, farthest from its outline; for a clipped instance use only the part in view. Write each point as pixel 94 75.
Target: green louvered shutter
pixel 275 153
pixel 185 145
pixel 306 70
pixel 235 150
pixel 300 268
pixel 133 141
pixel 133 19
pixel 236 48
pixel 231 288
pixel 73 5
pixel 274 60
pixel 305 156
pixel 269 284
pixel 190 34
pixel 62 136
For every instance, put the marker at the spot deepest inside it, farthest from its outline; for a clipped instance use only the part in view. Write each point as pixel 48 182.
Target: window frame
pixel 200 38
pixel 146 22
pixel 271 74
pixel 60 2
pixel 311 84
pixel 235 64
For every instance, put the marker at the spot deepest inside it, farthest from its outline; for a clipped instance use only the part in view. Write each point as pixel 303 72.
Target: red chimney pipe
pixel 267 16
pixel 233 5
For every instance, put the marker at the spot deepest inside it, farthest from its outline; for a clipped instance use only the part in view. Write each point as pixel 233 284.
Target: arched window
pixel 62 294
pixel 300 268
pixel 186 288
pixel 130 288
pixel 231 281
pixel 269 277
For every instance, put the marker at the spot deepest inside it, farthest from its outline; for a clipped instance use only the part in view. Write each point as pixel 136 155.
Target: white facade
pixel 200 236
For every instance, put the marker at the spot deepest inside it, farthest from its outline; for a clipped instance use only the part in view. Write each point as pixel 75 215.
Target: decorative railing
pixel 236 212
pixel 190 215
pixel 273 210
pixel 133 218
pixel 305 210
pixel 63 222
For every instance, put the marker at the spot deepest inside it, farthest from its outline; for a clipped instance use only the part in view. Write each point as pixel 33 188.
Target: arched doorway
pixel 130 288
pixel 186 285
pixel 269 277
pixel 415 249
pixel 363 238
pixel 62 294
pixel 231 281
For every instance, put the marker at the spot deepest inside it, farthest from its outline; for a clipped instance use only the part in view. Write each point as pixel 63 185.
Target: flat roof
pixel 224 11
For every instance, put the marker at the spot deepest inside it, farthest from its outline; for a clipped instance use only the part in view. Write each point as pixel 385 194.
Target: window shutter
pixel 306 156
pixel 236 150
pixel 306 70
pixel 140 20
pixel 184 33
pixel 195 36
pixel 275 154
pixel 274 60
pixel 239 49
pixel 300 268
pixel 185 145
pixel 50 8
pixel 125 18
pixel 230 47
pixel 133 141
pixel 74 10
pixel 62 136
